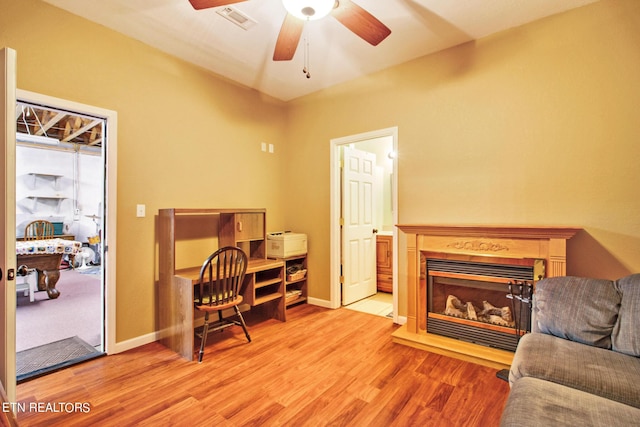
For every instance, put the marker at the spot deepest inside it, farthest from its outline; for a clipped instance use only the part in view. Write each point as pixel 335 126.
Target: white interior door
pixel 358 237
pixel 7 222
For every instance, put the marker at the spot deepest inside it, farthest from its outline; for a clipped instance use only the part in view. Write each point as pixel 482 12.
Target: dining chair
pixel 38 230
pixel 219 286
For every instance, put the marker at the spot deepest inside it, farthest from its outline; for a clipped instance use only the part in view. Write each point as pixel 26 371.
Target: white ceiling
pixel 204 38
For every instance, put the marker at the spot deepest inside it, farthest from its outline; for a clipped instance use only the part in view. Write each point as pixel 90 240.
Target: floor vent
pixel 474 335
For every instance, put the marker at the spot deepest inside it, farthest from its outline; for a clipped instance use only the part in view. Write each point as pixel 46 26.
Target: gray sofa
pixel 580 365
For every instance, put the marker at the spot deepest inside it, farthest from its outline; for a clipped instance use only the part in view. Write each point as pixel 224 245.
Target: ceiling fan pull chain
pixel 306 70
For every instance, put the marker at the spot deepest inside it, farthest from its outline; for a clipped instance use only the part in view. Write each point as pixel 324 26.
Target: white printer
pixel 284 244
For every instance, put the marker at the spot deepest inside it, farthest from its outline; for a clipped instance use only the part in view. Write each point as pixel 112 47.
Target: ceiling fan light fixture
pixel 309 9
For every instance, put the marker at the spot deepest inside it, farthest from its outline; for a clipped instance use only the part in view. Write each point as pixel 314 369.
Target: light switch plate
pixel 140 211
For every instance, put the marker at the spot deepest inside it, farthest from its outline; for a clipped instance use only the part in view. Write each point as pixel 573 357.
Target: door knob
pixel 375 231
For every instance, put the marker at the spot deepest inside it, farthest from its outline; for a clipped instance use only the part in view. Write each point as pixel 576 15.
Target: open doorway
pixel 383 143
pixel 61 178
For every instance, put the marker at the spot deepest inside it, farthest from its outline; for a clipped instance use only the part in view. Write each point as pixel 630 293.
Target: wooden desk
pixel 262 289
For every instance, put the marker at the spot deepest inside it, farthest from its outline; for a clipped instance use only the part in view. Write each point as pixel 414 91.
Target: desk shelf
pixel 266 298
pixel 295 289
pixel 267 283
pixel 264 283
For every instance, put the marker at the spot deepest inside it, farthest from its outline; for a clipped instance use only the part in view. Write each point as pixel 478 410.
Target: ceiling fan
pixel 349 14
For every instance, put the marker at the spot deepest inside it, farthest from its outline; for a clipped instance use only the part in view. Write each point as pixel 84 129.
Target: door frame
pixel 335 211
pixel 8 227
pixel 110 194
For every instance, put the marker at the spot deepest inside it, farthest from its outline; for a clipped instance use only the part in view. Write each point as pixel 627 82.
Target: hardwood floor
pixel 321 367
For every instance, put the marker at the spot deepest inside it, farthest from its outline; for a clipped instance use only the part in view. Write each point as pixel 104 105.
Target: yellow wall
pixel 186 138
pixel 536 125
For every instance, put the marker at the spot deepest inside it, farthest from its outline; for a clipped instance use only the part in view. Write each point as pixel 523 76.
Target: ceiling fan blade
pixel 206 4
pixel 288 38
pixel 360 22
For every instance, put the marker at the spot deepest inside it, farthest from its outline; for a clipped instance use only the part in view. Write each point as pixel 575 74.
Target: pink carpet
pixel 76 312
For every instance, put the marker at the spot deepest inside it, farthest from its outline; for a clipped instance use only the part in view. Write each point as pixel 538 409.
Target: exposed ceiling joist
pixel 83 129
pixel 48 124
pixel 36 120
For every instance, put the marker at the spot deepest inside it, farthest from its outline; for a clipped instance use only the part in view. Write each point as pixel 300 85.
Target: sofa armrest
pixel 625 337
pixel 591 369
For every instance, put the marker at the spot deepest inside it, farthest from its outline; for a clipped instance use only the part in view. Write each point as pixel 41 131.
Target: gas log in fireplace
pixel 481 300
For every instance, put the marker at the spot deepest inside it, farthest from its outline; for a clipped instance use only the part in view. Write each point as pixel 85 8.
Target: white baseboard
pixel 121 346
pixel 319 302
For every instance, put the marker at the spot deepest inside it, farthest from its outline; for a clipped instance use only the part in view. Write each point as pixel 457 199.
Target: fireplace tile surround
pixel 473 242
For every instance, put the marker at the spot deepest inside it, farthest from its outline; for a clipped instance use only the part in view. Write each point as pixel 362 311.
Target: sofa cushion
pixel 533 402
pixel 625 337
pixel 578 309
pixel 594 370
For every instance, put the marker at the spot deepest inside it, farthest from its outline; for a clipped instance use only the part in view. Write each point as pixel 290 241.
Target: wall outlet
pixel 141 211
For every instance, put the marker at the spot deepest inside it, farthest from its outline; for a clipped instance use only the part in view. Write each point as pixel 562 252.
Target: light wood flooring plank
pixel 321 367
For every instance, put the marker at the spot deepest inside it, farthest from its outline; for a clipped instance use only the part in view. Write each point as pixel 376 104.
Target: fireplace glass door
pixel 483 302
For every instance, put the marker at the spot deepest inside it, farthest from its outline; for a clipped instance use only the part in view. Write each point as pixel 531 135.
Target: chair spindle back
pixel 38 230
pixel 221 276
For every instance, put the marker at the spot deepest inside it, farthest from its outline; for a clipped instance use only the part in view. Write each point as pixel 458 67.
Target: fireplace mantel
pixel 491 231
pixel 503 241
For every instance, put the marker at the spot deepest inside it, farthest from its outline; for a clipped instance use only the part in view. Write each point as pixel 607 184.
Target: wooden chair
pixel 221 278
pixel 38 230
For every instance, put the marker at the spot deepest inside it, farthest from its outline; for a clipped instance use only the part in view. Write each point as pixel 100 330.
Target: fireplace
pixel 484 301
pixel 531 251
